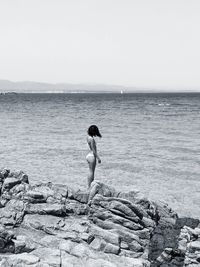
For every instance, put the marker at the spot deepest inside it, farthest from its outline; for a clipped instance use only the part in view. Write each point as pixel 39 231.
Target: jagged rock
pixel 22 187
pixel 9 183
pixel 12 215
pixel 53 225
pixel 13 178
pixel 19 175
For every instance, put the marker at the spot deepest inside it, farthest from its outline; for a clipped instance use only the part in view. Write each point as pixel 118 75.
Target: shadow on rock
pixel 165 249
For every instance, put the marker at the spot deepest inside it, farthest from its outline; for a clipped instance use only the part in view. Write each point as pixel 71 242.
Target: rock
pixel 61 190
pixel 130 254
pixel 67 245
pixel 68 260
pixel 109 219
pixel 21 260
pixel 20 175
pixel 33 196
pixel 129 261
pixel 50 241
pixel 72 235
pixel 53 225
pixel 108 236
pixel 12 179
pixel 22 187
pixel 85 236
pixel 118 207
pixel 81 196
pixel 19 246
pixel 48 256
pixel 98 243
pixel 4 173
pixel 101 189
pixel 12 215
pixel 124 245
pixel 99 263
pixel 81 250
pixel 135 246
pixel 76 208
pixel 6 243
pixel 164 257
pixel 46 208
pixel 46 223
pixel 147 222
pixel 9 183
pixel 110 248
pixel 194 246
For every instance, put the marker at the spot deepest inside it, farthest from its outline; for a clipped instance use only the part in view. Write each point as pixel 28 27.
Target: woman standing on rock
pixel 92 156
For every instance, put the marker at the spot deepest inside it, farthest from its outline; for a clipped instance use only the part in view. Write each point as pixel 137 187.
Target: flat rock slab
pixel 46 208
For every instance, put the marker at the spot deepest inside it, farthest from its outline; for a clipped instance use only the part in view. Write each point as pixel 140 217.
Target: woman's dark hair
pixel 94 131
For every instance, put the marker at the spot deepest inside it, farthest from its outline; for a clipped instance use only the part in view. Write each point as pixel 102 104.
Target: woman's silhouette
pixel 92 156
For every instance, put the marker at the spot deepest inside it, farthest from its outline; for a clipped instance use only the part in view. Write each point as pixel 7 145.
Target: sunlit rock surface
pixel 53 225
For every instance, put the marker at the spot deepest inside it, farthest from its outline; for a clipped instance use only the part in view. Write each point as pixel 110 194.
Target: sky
pixel 139 43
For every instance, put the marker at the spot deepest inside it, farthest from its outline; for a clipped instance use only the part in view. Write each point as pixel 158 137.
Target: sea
pixel 150 142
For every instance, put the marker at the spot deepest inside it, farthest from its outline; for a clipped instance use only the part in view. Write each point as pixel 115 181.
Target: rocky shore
pixel 53 225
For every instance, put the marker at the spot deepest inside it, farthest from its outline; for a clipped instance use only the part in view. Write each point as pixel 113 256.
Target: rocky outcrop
pixel 53 225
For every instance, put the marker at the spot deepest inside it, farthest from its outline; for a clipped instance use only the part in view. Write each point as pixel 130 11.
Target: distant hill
pixel 31 87
pixel 40 87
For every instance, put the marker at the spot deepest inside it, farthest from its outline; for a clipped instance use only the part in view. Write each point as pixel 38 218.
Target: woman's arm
pixel 94 150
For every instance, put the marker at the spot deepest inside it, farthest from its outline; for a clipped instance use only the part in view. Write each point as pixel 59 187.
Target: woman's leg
pixel 92 166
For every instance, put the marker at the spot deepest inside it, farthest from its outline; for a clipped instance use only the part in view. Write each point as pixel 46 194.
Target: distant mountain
pixel 38 87
pixel 31 87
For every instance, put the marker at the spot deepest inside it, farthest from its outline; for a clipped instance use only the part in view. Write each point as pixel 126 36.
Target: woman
pixel 92 155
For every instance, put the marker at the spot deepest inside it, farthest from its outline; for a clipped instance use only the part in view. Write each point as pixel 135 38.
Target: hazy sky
pixel 145 43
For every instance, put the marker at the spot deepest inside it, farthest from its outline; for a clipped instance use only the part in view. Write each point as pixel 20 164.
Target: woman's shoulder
pixel 90 139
